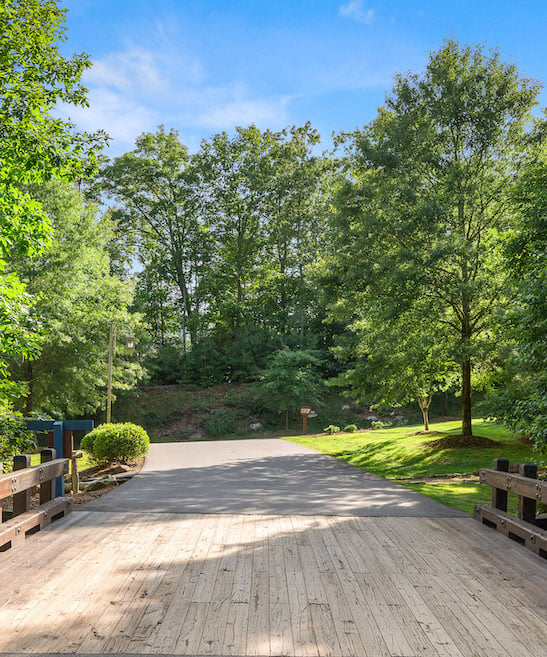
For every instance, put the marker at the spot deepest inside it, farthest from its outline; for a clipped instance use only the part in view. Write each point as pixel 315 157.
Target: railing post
pixel 59 443
pixel 527 505
pixel 21 501
pixel 47 488
pixel 499 497
pixel 75 475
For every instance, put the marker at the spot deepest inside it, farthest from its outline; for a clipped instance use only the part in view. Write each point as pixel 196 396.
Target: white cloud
pixel 120 117
pixel 129 70
pixel 134 90
pixel 357 10
pixel 229 112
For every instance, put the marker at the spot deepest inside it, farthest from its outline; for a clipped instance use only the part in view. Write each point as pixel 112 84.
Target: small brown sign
pixel 305 410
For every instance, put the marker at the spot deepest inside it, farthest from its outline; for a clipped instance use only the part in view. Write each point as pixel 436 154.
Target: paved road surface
pixel 264 476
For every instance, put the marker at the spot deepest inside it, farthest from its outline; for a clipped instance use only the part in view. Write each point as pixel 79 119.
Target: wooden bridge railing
pixel 527 529
pixel 24 520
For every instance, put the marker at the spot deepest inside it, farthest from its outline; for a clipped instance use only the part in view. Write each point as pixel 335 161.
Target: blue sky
pixel 202 66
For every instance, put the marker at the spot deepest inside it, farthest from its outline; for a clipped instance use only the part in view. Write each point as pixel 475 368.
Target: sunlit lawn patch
pixel 401 452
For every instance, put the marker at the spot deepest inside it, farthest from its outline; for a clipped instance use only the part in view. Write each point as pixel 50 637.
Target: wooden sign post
pixel 304 412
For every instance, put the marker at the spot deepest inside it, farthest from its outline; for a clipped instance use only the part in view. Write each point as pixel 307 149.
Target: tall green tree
pixel 425 205
pixel 289 381
pixel 393 358
pixel 233 178
pixel 34 147
pixel 521 394
pixel 77 299
pixel 294 228
pixel 155 187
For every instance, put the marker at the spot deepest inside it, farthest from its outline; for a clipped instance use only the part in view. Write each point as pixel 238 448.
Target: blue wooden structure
pixel 59 427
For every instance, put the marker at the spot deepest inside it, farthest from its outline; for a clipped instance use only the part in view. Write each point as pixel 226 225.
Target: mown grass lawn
pixel 401 452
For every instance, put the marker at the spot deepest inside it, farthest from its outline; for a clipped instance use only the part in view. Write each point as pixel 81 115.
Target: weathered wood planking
pixel 116 583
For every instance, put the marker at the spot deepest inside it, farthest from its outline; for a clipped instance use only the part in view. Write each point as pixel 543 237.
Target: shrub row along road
pixel 264 548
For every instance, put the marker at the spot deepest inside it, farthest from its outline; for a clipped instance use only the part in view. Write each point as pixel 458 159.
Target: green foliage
pixel 117 442
pixel 521 399
pixel 332 428
pixel 225 237
pixel 290 381
pixel 378 424
pixel 422 215
pixel 14 437
pixel 350 428
pixel 36 146
pixel 76 301
pixel 88 441
pixel 220 422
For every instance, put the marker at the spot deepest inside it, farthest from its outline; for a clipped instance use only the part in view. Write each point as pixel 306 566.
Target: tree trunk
pixel 424 404
pixel 467 429
pixel 287 419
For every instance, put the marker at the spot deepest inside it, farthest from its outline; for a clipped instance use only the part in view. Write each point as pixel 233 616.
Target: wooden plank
pixel 514 483
pixel 21 501
pixel 258 626
pixel 506 621
pixel 127 551
pixel 212 637
pixel 192 629
pixel 385 617
pixel 241 591
pixel 324 629
pixel 430 624
pixel 278 588
pixel 207 568
pixel 235 636
pixel 345 624
pixel 302 624
pixel 533 538
pixel 140 627
pixel 14 531
pixel 465 635
pixel 281 638
pixel 314 587
pixel 46 603
pixel 21 480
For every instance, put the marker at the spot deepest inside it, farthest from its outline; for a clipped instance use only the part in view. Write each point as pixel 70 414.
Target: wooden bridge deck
pixel 161 583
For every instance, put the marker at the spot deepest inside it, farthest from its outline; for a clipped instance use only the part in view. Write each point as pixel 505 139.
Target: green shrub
pixel 87 442
pixel 332 428
pixel 220 422
pixel 378 424
pixel 117 442
pixel 14 437
pixel 350 428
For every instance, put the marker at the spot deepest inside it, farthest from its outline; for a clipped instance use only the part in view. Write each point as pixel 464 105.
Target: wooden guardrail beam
pixel 526 529
pixel 15 531
pixel 514 483
pixel 532 537
pixel 21 480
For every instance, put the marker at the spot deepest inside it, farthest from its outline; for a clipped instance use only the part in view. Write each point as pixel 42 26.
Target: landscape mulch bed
pixel 463 442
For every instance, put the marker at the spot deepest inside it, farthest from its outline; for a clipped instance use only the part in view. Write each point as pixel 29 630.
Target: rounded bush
pixel 118 442
pixel 87 442
pixel 332 428
pixel 350 428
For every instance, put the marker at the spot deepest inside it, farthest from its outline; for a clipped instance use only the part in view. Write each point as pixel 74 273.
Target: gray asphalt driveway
pixel 262 476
